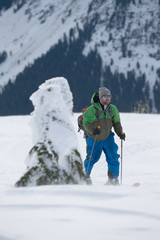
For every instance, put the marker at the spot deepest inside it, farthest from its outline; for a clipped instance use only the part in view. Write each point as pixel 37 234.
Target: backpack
pixel 80 122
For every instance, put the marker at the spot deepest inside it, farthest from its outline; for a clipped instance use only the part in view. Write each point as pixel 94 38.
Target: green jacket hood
pixel 95 98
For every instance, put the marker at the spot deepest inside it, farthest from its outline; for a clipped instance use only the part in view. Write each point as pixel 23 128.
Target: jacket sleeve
pixel 116 121
pixel 88 119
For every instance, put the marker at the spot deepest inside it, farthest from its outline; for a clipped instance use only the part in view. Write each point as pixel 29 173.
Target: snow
pixel 53 105
pixel 79 211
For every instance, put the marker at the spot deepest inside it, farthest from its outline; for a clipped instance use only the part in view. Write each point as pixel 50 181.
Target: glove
pixel 96 131
pixel 122 136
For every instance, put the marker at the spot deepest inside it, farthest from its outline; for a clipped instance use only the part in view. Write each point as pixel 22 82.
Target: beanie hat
pixel 103 91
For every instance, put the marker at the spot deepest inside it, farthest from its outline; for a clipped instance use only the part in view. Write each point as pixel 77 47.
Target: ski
pixel 108 183
pixel 136 184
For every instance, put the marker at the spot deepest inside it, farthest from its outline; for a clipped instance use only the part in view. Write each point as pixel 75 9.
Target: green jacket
pixel 95 116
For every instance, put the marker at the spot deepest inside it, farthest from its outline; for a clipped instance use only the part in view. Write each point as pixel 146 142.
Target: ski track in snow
pixel 82 212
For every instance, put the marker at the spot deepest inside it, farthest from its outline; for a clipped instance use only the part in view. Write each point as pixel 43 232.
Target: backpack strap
pixel 109 110
pixel 98 112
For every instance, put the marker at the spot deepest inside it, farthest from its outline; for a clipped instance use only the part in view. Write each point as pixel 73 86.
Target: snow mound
pixel 54 158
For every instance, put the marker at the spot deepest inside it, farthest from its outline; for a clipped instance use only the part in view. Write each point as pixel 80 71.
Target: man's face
pixel 106 99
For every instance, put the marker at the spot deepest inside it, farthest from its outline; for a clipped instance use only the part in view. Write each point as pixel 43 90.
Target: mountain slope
pixel 91 43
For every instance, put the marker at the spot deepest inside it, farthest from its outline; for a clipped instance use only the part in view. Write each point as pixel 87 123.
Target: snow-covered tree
pixel 54 158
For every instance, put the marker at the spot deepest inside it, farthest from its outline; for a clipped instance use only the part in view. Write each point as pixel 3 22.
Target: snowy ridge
pixel 33 29
pixel 124 37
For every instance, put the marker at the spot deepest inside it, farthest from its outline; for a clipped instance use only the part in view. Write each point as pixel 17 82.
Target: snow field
pixel 80 211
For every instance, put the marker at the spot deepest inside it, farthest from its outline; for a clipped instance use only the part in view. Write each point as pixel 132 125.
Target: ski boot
pixel 88 181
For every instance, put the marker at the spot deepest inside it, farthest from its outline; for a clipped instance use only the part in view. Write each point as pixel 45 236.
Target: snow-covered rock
pixel 54 158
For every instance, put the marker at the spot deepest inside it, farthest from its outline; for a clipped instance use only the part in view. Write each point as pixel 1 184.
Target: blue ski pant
pixel 109 147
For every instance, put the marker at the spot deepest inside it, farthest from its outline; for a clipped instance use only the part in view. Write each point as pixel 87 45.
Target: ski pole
pixel 92 151
pixel 121 158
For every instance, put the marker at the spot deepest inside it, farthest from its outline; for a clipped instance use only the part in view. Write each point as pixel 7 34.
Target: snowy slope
pixel 32 30
pixel 83 212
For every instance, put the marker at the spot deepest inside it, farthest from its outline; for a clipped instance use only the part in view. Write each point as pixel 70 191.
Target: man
pixel 98 120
